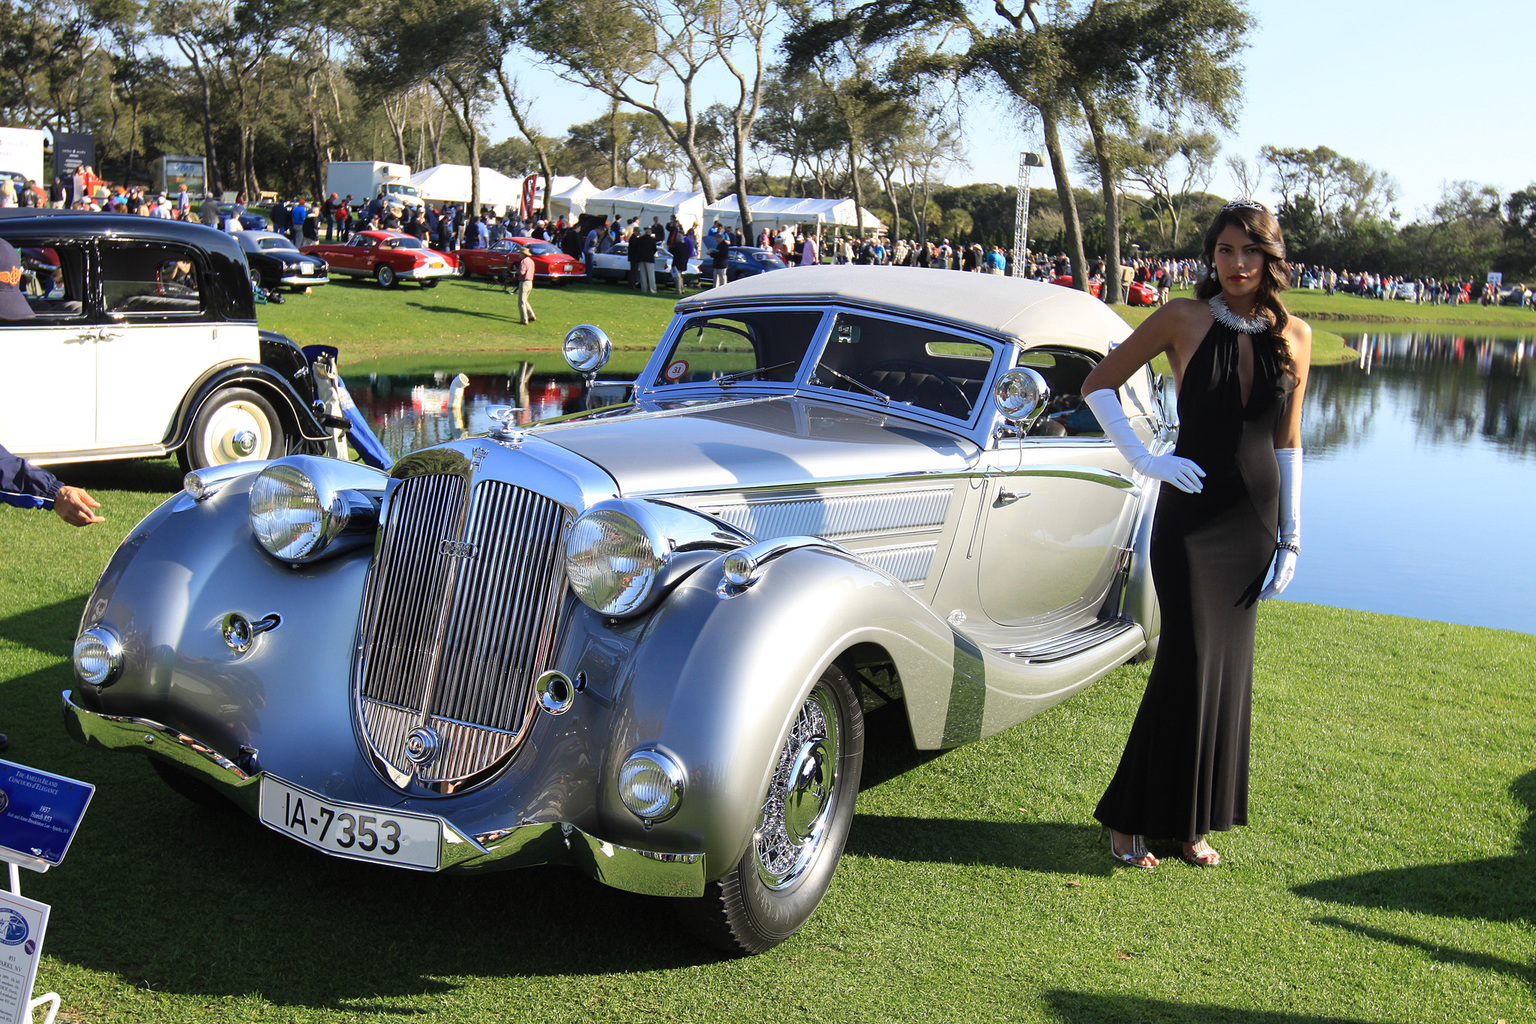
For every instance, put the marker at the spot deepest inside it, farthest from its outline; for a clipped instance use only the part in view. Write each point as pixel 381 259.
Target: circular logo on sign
pixel 13 927
pixel 676 370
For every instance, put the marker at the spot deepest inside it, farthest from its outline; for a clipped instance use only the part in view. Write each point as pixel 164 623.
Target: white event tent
pixel 569 195
pixel 777 212
pixel 450 183
pixel 625 202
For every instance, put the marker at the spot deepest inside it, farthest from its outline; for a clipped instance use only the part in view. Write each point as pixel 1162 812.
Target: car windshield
pixel 733 348
pixel 903 363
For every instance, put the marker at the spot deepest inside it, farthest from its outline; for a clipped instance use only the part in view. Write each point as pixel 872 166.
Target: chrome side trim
pixel 1065 646
pixel 125 732
pixel 838 515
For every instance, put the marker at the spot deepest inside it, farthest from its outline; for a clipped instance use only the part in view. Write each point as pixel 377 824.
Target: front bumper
pixel 524 845
pixel 303 279
pixel 421 273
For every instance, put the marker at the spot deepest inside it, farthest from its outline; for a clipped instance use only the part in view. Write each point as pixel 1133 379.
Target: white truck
pixel 365 179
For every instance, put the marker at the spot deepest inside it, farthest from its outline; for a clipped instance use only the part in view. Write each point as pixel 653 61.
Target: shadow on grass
pixel 145 476
pixel 1094 1008
pixel 1051 847
pixel 1498 889
pixel 47 630
pixel 477 314
pixel 1525 973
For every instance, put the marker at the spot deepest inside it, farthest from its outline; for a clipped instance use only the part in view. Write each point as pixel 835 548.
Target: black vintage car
pixel 275 261
pixel 143 341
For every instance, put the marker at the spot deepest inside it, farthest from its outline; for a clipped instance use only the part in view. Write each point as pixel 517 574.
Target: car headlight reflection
pixel 302 507
pixel 611 562
pixel 651 785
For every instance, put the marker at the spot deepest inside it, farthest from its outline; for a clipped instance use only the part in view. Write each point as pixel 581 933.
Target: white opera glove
pixel 1289 548
pixel 1185 474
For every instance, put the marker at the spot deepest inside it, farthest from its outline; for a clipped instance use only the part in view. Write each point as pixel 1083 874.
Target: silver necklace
pixel 1256 324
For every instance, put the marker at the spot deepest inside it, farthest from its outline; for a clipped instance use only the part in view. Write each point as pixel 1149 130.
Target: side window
pixel 906 363
pixel 53 280
pixel 150 281
pixel 1064 370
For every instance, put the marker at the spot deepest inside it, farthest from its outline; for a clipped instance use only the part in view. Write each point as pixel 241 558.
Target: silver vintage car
pixel 640 640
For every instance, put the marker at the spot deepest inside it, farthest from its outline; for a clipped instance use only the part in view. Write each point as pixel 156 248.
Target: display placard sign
pixel 39 814
pixel 22 923
pixel 1495 277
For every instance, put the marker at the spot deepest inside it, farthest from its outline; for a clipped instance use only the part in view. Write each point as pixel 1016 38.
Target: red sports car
pixel 550 265
pixel 1137 293
pixel 386 256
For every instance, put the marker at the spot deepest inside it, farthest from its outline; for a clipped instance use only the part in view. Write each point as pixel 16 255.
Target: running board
pixel 1065 646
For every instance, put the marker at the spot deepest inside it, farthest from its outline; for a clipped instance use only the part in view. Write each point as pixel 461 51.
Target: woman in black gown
pixel 1233 487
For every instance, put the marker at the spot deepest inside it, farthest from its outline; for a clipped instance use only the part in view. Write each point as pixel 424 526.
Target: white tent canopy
pixel 569 197
pixel 450 183
pixel 625 202
pixel 786 211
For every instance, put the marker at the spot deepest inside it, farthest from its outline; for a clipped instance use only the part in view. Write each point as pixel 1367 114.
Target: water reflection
pixel 414 411
pixel 1418 479
pixel 1456 389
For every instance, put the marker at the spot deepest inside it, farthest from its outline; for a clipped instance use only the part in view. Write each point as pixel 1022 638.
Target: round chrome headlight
pixel 611 561
pixel 586 348
pixel 286 513
pixel 300 505
pixel 98 656
pixel 651 785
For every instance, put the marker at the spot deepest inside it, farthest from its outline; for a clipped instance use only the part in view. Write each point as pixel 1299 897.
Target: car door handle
pixel 1007 497
pixel 110 336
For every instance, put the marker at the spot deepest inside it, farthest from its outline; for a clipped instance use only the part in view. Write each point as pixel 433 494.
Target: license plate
pixel 305 268
pixel 436 264
pixel 351 830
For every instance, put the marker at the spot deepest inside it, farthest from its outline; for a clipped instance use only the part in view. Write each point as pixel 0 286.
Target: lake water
pixel 1420 469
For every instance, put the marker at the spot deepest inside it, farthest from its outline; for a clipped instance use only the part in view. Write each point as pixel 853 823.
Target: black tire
pixel 386 275
pixel 256 279
pixel 234 425
pixel 190 786
pixel 430 282
pixel 780 880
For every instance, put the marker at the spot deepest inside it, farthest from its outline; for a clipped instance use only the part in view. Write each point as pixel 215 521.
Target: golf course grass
pixel 1388 873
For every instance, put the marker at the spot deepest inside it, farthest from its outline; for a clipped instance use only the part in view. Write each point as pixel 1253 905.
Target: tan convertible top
pixel 1030 312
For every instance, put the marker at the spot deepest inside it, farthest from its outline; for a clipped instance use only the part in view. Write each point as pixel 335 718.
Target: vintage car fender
pixel 717 678
pixel 258 377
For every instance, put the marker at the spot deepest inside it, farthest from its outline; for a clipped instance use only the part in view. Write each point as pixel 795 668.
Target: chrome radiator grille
pixel 459 617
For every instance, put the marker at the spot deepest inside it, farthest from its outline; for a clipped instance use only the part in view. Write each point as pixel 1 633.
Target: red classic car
pixel 386 256
pixel 1137 293
pixel 550 265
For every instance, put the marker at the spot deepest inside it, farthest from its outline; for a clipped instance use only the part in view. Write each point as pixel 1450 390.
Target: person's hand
pixel 1285 571
pixel 1185 474
pixel 74 506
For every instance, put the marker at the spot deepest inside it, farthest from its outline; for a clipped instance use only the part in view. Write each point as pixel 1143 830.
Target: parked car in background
pixel 144 342
pixel 1408 291
pixel 1065 281
pixel 1513 295
pixel 746 261
pixel 550 265
pixel 641 640
pixel 386 256
pixel 275 262
pixel 1140 293
pixel 613 265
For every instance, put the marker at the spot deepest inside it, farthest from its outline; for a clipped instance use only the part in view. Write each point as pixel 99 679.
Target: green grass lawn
pixel 1388 875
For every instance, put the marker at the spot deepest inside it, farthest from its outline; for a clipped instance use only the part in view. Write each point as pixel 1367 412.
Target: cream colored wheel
pixel 233 426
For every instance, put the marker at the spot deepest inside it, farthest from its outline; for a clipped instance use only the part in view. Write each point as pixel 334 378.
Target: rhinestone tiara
pixel 1243 204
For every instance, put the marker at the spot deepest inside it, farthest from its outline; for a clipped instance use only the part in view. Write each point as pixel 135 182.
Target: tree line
pixel 819 97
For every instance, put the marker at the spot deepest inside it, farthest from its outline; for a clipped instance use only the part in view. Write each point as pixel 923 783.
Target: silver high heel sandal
pixel 1137 852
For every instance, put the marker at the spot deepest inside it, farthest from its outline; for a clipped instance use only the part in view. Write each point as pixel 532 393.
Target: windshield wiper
pixel 840 375
pixel 732 378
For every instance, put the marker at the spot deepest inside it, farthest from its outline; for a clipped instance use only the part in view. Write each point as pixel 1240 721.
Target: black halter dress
pixel 1184 772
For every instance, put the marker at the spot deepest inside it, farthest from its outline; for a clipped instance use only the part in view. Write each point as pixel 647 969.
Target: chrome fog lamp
pixel 98 656
pixel 739 569
pixel 651 785
pixel 586 349
pixel 302 507
pixel 611 561
pixel 1021 395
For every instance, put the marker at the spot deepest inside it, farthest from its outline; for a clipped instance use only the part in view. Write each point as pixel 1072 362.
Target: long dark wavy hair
pixel 1275 278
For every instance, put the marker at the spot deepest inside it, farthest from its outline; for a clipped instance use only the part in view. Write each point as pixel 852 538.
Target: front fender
pixel 716 681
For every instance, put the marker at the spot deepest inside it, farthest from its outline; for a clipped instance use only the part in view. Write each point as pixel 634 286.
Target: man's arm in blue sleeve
pixel 25 485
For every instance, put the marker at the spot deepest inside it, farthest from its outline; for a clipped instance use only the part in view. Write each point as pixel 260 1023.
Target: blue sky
pixel 1427 92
